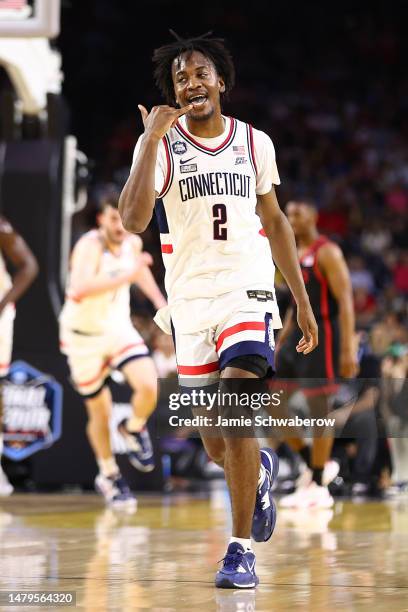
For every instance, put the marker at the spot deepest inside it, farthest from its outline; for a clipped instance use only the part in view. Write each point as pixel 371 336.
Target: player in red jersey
pixel 328 285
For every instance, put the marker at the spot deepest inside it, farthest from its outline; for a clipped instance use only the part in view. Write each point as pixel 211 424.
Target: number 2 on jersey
pixel 220 218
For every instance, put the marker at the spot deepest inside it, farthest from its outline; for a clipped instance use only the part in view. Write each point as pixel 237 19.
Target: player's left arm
pixel 283 247
pixel 331 262
pixel 146 281
pixel 21 257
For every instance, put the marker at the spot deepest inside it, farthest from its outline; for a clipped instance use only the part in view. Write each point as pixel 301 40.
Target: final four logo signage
pixel 32 407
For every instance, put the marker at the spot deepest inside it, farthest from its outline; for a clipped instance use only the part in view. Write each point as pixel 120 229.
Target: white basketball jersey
pixel 212 240
pixel 104 311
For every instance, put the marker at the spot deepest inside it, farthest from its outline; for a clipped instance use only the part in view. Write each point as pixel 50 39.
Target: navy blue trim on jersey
pixel 250 148
pixel 161 216
pixel 170 167
pixel 173 333
pixel 207 150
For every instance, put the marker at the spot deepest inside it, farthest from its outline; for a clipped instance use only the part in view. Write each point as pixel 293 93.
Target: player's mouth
pixel 198 101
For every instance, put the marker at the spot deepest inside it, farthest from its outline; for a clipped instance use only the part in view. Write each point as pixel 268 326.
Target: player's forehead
pixel 190 61
pixel 110 211
pixel 298 208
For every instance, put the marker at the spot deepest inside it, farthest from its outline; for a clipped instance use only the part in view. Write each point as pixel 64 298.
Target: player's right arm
pixel 85 278
pixel 138 196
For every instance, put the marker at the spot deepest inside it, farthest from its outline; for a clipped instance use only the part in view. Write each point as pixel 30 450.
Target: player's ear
pixel 222 85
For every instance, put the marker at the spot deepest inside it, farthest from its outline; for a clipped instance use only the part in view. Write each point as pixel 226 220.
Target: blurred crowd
pixel 332 92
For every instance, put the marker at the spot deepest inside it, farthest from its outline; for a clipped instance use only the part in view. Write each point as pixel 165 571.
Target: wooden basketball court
pixel 164 556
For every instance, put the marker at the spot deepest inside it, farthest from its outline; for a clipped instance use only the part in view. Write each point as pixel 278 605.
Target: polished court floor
pixel 164 556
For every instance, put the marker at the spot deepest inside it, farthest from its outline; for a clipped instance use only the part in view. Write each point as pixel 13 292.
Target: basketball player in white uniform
pixel 210 179
pixel 97 336
pixel 16 251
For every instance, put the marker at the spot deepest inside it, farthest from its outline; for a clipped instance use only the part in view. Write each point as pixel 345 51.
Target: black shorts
pixel 318 369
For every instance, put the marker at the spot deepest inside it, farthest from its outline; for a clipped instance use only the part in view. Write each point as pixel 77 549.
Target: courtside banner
pixel 32 411
pixel 281 408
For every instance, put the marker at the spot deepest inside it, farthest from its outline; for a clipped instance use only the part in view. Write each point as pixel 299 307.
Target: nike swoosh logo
pixel 185 161
pixel 265 501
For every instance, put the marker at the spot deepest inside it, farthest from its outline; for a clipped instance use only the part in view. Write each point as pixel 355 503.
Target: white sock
pixel 135 423
pixel 262 475
pixel 245 543
pixel 108 467
pixel 1 443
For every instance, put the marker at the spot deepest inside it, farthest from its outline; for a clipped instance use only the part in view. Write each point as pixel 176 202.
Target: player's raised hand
pixel 161 118
pixel 307 323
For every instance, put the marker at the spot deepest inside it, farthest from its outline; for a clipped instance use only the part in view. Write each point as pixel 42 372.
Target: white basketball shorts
pixel 91 358
pixel 205 353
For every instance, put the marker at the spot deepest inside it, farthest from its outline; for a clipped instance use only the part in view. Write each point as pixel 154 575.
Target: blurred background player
pixel 97 336
pixel 328 285
pixel 15 251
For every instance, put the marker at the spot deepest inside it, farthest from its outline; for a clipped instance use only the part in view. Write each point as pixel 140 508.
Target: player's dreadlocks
pixel 212 48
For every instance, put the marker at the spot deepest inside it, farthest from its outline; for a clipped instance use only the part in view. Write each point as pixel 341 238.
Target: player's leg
pixel 312 485
pixel 89 368
pixel 141 375
pixel 6 344
pixel 109 482
pixel 245 347
pixel 242 465
pixel 97 429
pixel 286 373
pixel 197 364
pixel 317 381
pixel 322 439
pixel 262 463
pixel 131 356
pixel 215 449
pixel 321 370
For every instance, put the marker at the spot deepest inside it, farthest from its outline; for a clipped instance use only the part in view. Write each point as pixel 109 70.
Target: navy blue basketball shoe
pixel 238 570
pixel 139 447
pixel 263 522
pixel 116 491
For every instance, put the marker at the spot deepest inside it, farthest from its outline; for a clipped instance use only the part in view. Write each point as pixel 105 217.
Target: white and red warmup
pixel 219 267
pixel 96 332
pixel 6 321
